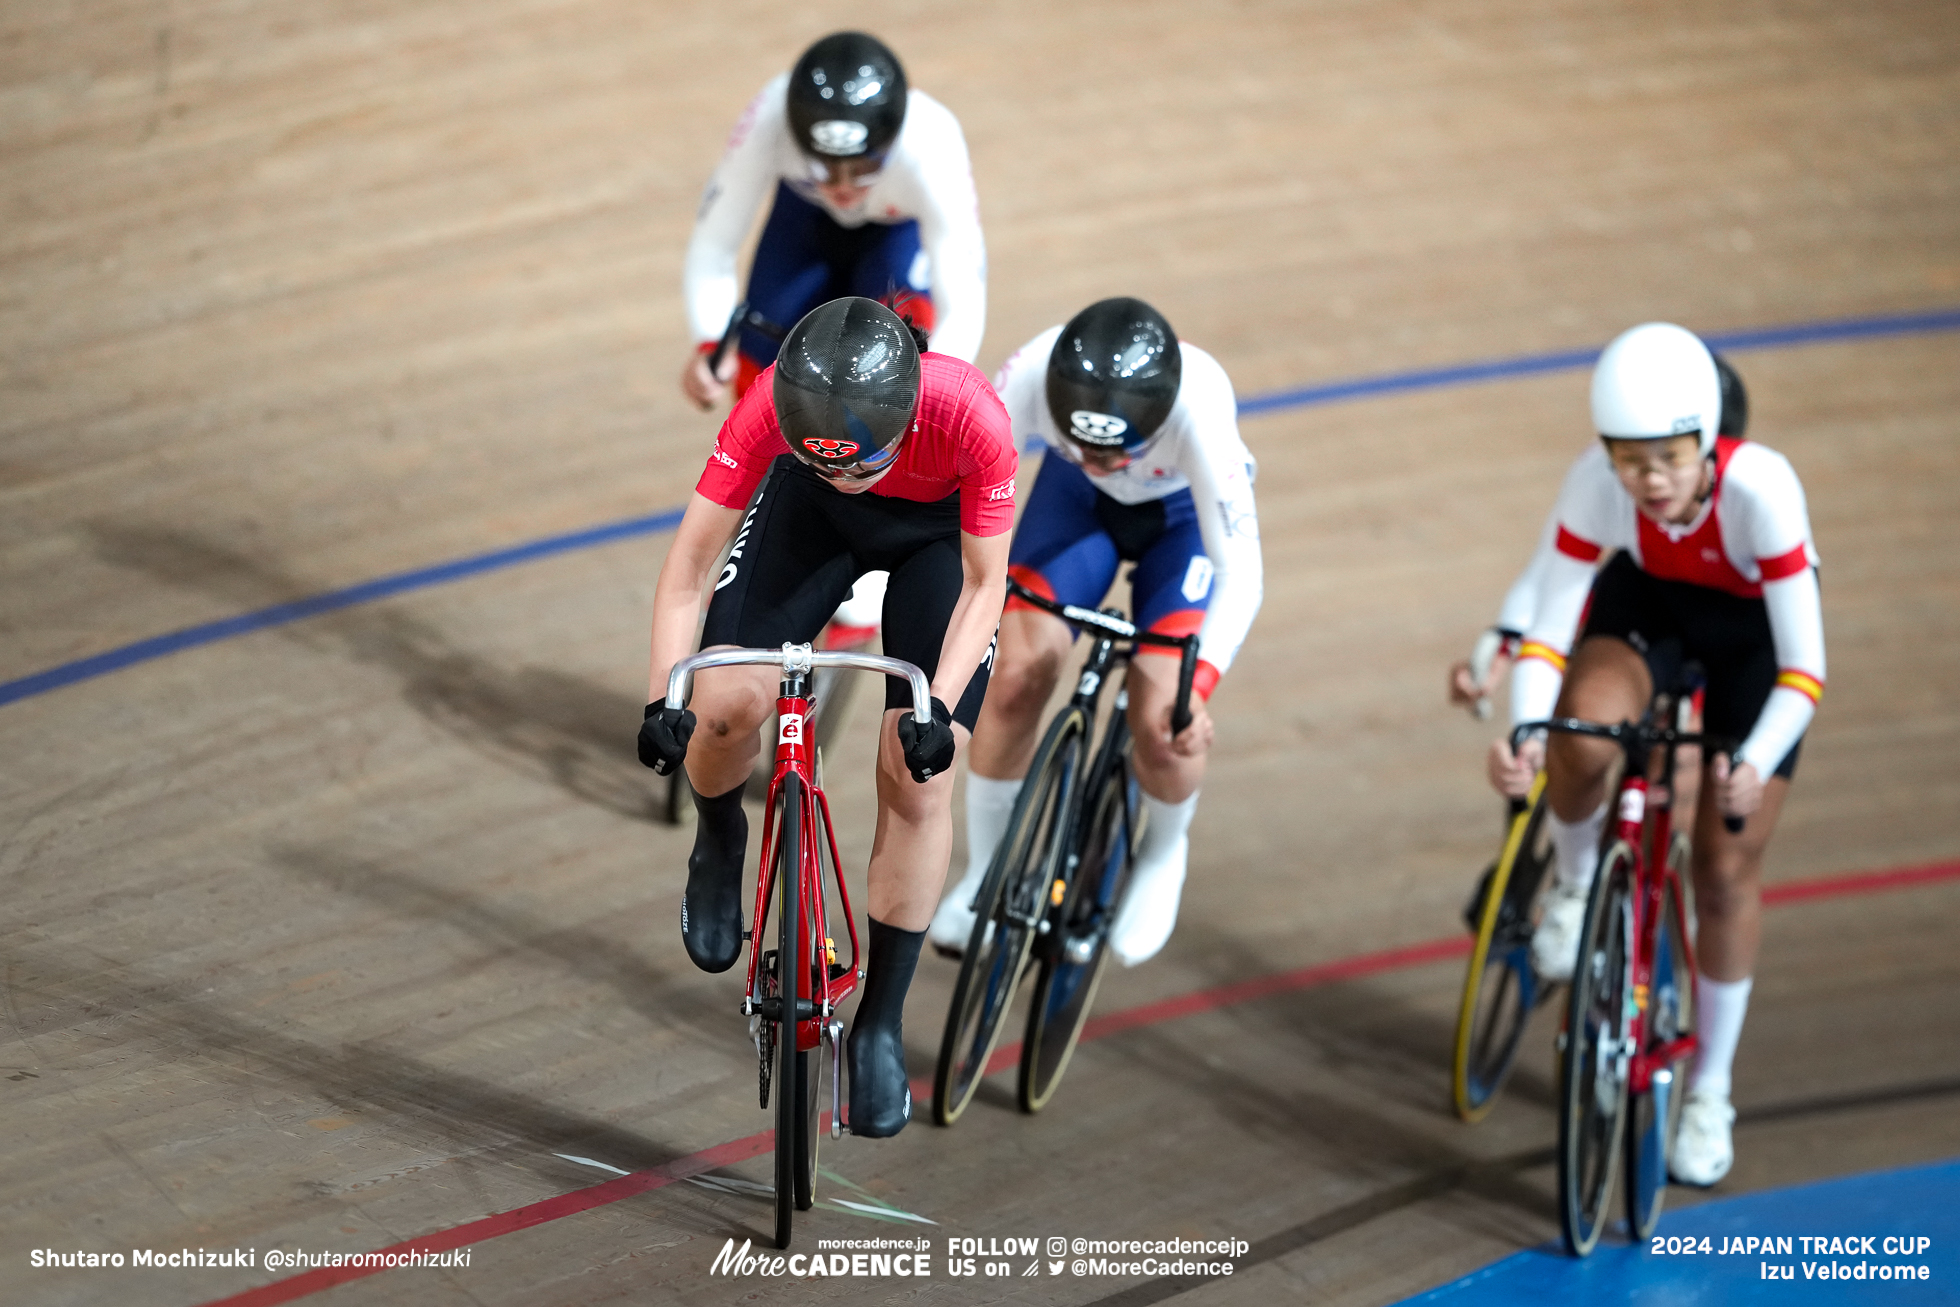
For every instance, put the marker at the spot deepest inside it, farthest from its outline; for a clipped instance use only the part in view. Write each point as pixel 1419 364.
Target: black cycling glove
pixel 928 748
pixel 664 736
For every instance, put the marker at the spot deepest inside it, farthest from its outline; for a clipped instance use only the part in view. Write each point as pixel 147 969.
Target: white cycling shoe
pixel 1704 1148
pixel 1555 944
pixel 952 924
pixel 1143 924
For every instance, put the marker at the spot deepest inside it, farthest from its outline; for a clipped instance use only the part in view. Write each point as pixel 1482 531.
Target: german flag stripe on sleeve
pixel 1802 682
pixel 1545 653
pixel 1775 569
pixel 1578 546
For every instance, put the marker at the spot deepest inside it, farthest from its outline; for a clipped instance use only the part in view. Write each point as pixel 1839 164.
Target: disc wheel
pixel 1075 952
pixel 792 980
pixel 1012 899
pixel 1595 1055
pixel 1653 1117
pixel 1500 987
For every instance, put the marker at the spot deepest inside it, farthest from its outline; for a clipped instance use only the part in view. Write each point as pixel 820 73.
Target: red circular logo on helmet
pixel 831 448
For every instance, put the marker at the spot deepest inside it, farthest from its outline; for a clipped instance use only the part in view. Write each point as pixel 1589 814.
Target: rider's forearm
pixel 968 635
pixel 683 584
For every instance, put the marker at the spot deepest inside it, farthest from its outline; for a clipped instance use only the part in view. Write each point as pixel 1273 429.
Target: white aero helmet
pixel 1655 381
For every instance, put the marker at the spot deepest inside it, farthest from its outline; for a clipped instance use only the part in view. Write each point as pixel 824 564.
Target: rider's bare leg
pixel 729 704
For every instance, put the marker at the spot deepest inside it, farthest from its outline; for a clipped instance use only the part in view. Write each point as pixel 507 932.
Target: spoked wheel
pixel 1012 900
pixel 792 982
pixel 1653 1117
pixel 1500 988
pixel 1593 1065
pixel 1073 956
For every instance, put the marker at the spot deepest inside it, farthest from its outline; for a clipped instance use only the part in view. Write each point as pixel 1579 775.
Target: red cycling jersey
pixel 961 440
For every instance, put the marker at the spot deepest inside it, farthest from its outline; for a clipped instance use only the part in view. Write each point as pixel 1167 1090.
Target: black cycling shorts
pixel 803 545
pixel 1671 623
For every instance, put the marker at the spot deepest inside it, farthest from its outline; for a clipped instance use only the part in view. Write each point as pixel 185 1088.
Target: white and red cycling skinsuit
pixel 1751 539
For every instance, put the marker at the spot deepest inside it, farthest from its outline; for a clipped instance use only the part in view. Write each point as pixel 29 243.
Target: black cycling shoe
pixel 711 908
pixel 881 1097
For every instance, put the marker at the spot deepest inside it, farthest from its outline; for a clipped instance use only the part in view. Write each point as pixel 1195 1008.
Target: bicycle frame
pixel 1643 819
pixel 795 756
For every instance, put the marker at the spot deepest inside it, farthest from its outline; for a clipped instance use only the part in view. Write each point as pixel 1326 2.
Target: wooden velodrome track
pixel 353 931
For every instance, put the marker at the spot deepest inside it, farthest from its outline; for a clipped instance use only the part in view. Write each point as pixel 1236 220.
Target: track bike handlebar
pixel 801 658
pixel 1123 629
pixel 743 316
pixel 1638 732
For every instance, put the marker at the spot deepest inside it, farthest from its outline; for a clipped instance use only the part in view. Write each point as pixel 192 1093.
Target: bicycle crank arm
pixel 835 1032
pixel 771 1009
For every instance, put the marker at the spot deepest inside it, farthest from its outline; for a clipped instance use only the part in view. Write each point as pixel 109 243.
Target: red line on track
pixel 1204 1000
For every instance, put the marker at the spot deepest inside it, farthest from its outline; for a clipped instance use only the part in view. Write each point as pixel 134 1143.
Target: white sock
pixel 1164 825
pixel 1720 1007
pixel 989 805
pixel 1576 846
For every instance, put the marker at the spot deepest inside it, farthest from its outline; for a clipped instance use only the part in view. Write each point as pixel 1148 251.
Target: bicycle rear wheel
pixel 1012 900
pixel 1593 1065
pixel 1500 987
pixel 1073 955
pixel 793 980
pixel 1653 1117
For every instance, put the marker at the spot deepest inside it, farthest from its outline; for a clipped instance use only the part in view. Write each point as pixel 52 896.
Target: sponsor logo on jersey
pixel 1000 493
pixel 831 448
pixel 1197 579
pixel 720 457
pixel 1238 520
pixel 839 136
pixel 1097 428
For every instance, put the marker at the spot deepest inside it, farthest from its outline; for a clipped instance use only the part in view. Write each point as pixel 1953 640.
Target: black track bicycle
pixel 1055 883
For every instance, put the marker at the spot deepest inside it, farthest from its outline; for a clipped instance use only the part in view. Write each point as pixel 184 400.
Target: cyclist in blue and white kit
pixel 1144 464
pixel 871 194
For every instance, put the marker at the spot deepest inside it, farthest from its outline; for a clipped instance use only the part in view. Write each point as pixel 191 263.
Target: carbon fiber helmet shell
pixel 846 97
pixel 1735 400
pixel 1655 381
pixel 1113 376
pixel 846 388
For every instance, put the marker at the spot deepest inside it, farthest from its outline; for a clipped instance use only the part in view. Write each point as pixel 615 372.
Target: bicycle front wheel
pixel 1595 1054
pixel 1075 954
pixel 1500 987
pixel 792 983
pixel 1012 900
pixel 1653 1117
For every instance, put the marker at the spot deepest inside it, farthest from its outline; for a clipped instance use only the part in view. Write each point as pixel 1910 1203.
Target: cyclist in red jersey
pixel 854 452
pixel 1714 564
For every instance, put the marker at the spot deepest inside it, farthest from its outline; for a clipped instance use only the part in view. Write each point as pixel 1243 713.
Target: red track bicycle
pixel 795 989
pixel 1630 1013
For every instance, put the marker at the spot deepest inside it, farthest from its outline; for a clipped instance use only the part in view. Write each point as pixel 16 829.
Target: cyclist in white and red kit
pixel 1143 464
pixel 871 194
pixel 1708 558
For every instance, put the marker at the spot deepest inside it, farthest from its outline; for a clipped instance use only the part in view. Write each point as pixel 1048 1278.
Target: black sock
pixel 722 822
pixel 894 957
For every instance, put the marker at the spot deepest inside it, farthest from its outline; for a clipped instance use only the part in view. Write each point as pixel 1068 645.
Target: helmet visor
pixel 848 470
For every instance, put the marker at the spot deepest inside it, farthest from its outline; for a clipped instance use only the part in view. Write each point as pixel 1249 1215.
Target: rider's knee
pixel 1727 880
pixel 1020 686
pixel 730 711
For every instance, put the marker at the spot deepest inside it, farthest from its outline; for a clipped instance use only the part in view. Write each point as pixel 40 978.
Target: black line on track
pixel 1436 1183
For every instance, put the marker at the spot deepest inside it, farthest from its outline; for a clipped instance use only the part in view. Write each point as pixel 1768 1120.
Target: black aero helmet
pixel 1113 376
pixel 847 388
pixel 846 97
pixel 1735 400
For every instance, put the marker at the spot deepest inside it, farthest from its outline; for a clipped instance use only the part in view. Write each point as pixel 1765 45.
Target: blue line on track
pixel 142 651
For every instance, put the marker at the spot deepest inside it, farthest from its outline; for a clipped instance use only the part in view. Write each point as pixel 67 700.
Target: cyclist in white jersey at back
pixel 1143 463
pixel 1714 564
pixel 871 193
